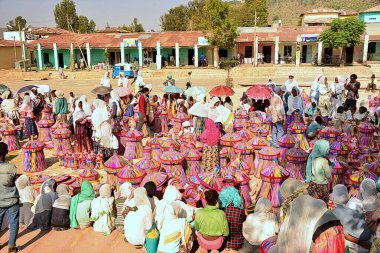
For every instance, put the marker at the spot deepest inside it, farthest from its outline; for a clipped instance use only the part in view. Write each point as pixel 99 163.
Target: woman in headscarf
pixel 231 202
pixel 151 190
pixel 123 197
pixel 199 113
pixel 106 81
pixel 318 171
pixel 80 207
pixel 27 197
pixel 314 92
pixel 210 138
pixel 138 221
pixel 290 189
pixel 10 108
pixel 103 137
pixel 60 219
pixel 30 123
pixel 337 94
pixel 116 111
pixel 102 211
pixel 43 206
pixel 82 128
pixel 295 103
pixel 357 233
pixel 219 114
pixel 259 226
pixel 61 107
pixel 175 232
pixel 309 227
pixel 324 104
pixel 86 107
pixel 367 189
pixel 122 81
pixel 371 208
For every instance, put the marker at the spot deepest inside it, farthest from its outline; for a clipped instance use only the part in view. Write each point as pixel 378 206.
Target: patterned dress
pixel 210 158
pixel 235 218
pixel 83 135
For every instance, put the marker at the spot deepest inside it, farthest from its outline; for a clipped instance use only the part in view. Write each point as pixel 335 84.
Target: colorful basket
pixel 246 134
pixel 339 148
pixel 329 132
pixel 168 143
pixel 366 128
pixel 130 174
pixel 147 163
pixel 210 180
pixel 188 137
pixel 159 178
pixel 34 157
pixel 287 141
pixel 259 142
pixel 171 157
pixel 274 174
pixel 115 163
pixel 296 155
pixel 230 139
pixel 269 153
pixel 298 128
pixel 181 117
pixel 260 130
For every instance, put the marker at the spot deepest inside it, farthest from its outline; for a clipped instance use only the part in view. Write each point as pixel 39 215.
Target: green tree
pixel 343 33
pixel 223 30
pixel 17 24
pixel 65 14
pixel 136 26
pixel 83 25
pixel 177 19
pixel 248 11
pixel 198 20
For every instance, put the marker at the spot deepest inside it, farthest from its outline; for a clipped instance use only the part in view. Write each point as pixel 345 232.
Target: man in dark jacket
pixel 9 197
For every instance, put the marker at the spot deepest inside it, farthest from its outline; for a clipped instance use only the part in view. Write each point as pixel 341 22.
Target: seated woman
pixel 124 195
pixel 314 127
pixel 43 206
pixel 211 224
pixel 60 219
pixel 80 207
pixel 371 207
pixel 356 231
pixel 290 189
pixel 308 227
pixel 231 202
pixel 175 233
pixel 151 190
pixel 259 226
pixel 102 211
pixel 318 171
pixel 27 197
pixel 139 220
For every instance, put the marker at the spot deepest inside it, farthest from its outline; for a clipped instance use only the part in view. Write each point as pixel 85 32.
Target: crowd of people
pixel 314 215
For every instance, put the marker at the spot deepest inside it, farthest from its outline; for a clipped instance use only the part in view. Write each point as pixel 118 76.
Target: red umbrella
pixel 222 91
pixel 259 92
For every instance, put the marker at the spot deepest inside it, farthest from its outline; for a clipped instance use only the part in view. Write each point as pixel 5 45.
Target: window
pixel 223 53
pixel 372 19
pixel 287 51
pixel 248 52
pixel 372 47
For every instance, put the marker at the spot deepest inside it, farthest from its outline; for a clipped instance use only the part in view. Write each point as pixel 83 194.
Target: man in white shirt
pixel 290 83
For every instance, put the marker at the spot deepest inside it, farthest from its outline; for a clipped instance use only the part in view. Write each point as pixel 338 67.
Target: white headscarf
pixel 100 114
pixel 340 194
pixel 141 197
pixel 26 191
pixel 126 190
pixel 64 199
pixel 115 98
pixel 171 194
pixel 296 232
pixel 27 105
pixel 105 191
pixel 199 109
pixel 86 107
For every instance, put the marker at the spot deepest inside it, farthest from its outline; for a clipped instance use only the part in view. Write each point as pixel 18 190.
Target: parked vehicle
pixel 124 68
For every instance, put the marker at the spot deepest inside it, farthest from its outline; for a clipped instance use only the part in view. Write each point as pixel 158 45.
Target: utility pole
pixel 71 48
pixel 254 43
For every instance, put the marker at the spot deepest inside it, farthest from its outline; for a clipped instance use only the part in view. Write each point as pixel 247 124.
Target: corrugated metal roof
pixel 9 43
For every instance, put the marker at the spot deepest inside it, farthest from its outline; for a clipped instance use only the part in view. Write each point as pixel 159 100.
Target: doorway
pixel 248 52
pixel 60 60
pixel 306 53
pixel 349 55
pixel 267 54
pixel 190 55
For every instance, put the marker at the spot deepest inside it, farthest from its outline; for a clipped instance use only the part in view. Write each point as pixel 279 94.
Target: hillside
pixel 289 10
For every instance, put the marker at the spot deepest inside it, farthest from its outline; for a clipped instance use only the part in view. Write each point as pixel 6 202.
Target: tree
pixel 245 15
pixel 65 14
pixel 223 30
pixel 177 19
pixel 17 24
pixel 83 25
pixel 343 33
pixel 136 26
pixel 198 20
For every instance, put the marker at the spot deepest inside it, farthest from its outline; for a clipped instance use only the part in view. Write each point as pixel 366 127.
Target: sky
pixel 39 13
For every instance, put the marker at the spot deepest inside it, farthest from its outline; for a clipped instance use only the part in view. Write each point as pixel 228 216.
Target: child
pixel 312 129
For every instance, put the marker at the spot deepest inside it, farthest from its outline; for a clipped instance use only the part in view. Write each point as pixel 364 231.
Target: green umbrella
pixel 3 87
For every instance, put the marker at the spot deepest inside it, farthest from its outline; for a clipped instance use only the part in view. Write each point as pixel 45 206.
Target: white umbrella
pixel 195 91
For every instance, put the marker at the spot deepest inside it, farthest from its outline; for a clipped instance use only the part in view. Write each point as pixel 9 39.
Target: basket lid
pixel 209 180
pixel 192 153
pixel 181 117
pixel 366 127
pixel 243 147
pixel 298 127
pixel 246 134
pixel 296 154
pixel 168 143
pixel 129 173
pixel 116 162
pixel 159 178
pixel 269 151
pixel 287 141
pixel 171 157
pixel 148 164
pixel 274 172
pixel 339 147
pixel 134 135
pixel 188 137
pixel 58 125
pixel 229 139
pixel 64 132
pixel 330 131
pixel 34 145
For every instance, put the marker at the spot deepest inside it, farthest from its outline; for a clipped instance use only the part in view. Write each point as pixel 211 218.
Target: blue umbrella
pixel 172 89
pixel 26 89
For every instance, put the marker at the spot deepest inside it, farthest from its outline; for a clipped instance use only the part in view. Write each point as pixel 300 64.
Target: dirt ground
pixel 87 240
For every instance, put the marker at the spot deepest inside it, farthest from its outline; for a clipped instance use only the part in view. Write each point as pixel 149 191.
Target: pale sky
pixel 40 12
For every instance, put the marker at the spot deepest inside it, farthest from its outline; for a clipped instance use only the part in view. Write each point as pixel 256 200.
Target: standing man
pixel 278 112
pixel 352 92
pixel 144 109
pixel 9 197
